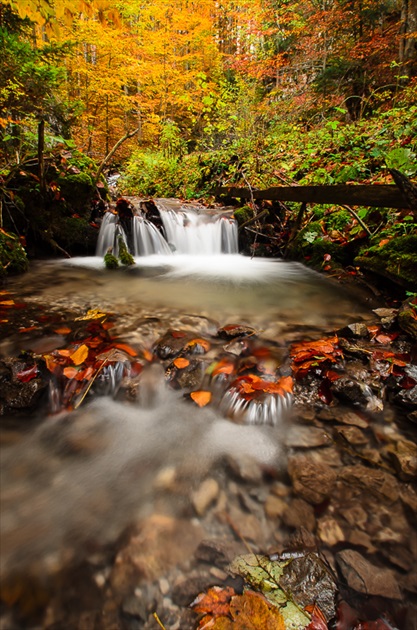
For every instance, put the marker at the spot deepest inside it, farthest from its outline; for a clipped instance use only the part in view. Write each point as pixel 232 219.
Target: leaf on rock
pixel 198 345
pixel 201 397
pixel 318 620
pixel 181 363
pixel 80 355
pixel 221 367
pixel 27 375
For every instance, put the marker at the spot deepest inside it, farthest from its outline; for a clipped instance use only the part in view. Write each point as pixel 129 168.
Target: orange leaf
pixel 223 367
pixel 181 363
pixel 64 352
pixel 201 397
pixel 287 383
pixel 126 348
pixel 251 611
pixel 64 330
pixel 70 372
pixel 215 602
pixel 51 362
pixel 7 303
pixel 80 355
pixel 28 329
pixel 147 355
pixel 197 343
pixel 384 242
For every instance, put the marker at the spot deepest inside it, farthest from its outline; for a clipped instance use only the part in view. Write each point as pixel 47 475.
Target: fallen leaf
pixel 28 329
pixel 70 372
pixel 201 397
pixel 318 620
pixel 126 348
pixel 221 367
pixel 7 303
pixel 147 355
pixel 91 314
pixel 64 330
pixel 215 602
pixel 27 375
pixel 198 345
pixel 80 355
pixel 251 611
pixel 181 363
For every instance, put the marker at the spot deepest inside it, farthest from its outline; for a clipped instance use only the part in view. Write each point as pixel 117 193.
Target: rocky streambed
pixel 136 494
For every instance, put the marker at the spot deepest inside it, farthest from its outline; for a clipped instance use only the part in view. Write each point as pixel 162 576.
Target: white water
pixel 189 229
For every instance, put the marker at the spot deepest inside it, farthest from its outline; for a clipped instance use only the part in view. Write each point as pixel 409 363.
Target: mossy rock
pixel 75 235
pixel 13 258
pixel 78 190
pixel 396 261
pixel 243 214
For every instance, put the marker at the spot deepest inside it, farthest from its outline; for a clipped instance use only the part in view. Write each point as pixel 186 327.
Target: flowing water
pixel 57 497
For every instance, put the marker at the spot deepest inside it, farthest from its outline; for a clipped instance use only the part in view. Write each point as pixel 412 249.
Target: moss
pixel 243 214
pixel 110 261
pixel 125 256
pixel 397 260
pixel 78 190
pixel 13 257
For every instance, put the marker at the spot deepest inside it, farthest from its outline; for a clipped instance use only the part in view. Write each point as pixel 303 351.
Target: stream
pixel 138 499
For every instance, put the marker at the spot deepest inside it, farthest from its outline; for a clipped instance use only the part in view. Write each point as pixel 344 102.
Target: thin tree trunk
pixel 41 161
pixel 108 157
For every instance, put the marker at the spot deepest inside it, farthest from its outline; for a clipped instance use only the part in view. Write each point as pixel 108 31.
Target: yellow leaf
pixel 80 355
pixel 181 363
pixel 91 314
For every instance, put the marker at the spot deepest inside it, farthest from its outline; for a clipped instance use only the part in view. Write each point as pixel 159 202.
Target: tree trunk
pixel 408 42
pixel 41 161
pixel 108 157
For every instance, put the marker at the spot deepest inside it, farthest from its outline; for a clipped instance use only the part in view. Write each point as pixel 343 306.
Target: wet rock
pixel 355 330
pixel 300 514
pixel 205 496
pixel 191 377
pixel 216 552
pixel 329 531
pixel 367 578
pixel 355 515
pixel 344 416
pixel 245 468
pixel 313 482
pixel 135 607
pixel 351 391
pixel 171 344
pixel 307 437
pixel 245 525
pixel 388 316
pixel 309 582
pixel 404 456
pixel 407 318
pixel 236 347
pixel 160 543
pixel 407 398
pixel 328 455
pixel 352 435
pixel 275 507
pixel 235 330
pixel 361 539
pixel 358 348
pixel 21 385
pixel 398 555
pixel 379 483
pixel 409 496
pixel 302 539
pixel 186 588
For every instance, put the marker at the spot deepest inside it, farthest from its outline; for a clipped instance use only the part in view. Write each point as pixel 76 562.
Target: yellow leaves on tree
pixel 224 610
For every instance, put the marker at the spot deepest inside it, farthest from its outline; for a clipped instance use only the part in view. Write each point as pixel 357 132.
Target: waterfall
pixel 189 229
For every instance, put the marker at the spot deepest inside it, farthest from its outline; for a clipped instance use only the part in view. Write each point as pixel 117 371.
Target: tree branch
pixel 108 157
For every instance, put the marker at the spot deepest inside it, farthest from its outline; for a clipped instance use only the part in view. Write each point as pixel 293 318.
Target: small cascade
pixel 189 229
pixel 194 230
pixel 147 239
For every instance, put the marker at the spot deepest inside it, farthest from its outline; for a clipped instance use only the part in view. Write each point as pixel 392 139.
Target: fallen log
pixel 377 195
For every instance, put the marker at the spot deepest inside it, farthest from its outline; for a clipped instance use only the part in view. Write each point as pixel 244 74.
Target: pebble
pixel 275 507
pixel 205 496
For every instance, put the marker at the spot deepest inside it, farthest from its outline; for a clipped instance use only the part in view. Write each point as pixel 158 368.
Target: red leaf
pixel 27 375
pixel 126 348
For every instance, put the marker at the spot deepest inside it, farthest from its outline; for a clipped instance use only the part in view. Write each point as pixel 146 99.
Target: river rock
pixel 190 378
pixel 407 318
pixel 275 507
pixel 364 577
pixel 407 398
pixel 298 514
pixel 352 391
pixel 235 330
pixel 329 531
pixel 19 389
pixel 313 482
pixel 216 552
pixel 171 344
pixel 245 468
pixel 344 416
pixel 379 483
pixel 358 329
pixel 404 457
pixel 352 435
pixel 307 437
pixel 205 495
